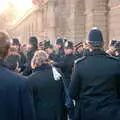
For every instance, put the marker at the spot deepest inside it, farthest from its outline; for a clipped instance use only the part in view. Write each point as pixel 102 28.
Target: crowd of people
pixel 41 81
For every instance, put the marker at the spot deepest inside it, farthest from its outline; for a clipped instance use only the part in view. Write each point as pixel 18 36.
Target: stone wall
pixel 32 24
pixel 97 15
pixel 71 19
pixel 114 19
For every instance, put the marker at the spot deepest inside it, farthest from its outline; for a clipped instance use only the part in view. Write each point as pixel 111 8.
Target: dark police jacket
pixel 66 65
pixel 48 94
pixel 15 100
pixel 95 86
pixel 59 54
pixel 28 70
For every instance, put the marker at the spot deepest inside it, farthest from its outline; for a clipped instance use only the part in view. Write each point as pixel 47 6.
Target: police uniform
pixel 95 84
pixel 34 42
pixel 47 45
pixel 66 65
pixel 60 52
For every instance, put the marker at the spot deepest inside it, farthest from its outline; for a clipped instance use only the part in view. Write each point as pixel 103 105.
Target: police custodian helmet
pixel 68 45
pixel 95 37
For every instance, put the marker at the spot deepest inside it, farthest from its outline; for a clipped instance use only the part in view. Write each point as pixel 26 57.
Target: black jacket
pixel 66 64
pixel 48 94
pixel 15 100
pixel 95 86
pixel 28 70
pixel 59 54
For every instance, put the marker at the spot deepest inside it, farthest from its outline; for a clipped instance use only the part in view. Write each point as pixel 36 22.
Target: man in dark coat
pixel 95 84
pixel 15 59
pixel 60 49
pixel 48 47
pixel 66 65
pixel 33 46
pixel 15 100
pixel 79 49
pixel 67 62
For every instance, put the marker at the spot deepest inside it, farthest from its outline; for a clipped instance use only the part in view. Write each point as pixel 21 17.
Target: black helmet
pixel 60 41
pixel 15 41
pixel 33 40
pixel 47 44
pixel 95 37
pixel 68 44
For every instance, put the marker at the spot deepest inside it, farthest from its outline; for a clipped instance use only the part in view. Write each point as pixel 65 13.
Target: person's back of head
pixel 4 44
pixel 40 57
pixel 95 38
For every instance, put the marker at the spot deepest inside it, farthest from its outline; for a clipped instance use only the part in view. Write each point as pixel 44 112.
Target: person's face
pixel 15 47
pixel 68 51
pixel 80 49
pixel 24 48
pixel 29 46
pixel 58 46
pixel 49 50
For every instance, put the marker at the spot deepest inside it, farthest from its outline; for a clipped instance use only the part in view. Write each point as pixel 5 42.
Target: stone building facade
pixel 71 19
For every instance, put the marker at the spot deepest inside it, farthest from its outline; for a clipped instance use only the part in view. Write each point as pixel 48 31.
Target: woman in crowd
pixel 47 89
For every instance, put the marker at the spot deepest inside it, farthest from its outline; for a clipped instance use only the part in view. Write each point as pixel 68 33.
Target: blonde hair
pixel 40 57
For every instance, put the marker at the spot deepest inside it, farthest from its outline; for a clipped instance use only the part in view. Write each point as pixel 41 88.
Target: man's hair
pixel 4 44
pixel 40 57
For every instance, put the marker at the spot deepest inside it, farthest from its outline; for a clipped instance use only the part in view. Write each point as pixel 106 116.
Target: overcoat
pixel 15 100
pixel 48 94
pixel 95 87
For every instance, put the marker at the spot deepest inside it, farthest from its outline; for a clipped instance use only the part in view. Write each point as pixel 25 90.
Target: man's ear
pixel 6 50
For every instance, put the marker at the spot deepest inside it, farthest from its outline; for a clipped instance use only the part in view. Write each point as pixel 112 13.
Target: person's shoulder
pixel 80 59
pixel 12 79
pixel 13 75
pixel 111 57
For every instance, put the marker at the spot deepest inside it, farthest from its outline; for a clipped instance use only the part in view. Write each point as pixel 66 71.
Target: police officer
pixel 48 47
pixel 15 100
pixel 60 49
pixel 79 49
pixel 33 46
pixel 67 62
pixel 95 84
pixel 66 65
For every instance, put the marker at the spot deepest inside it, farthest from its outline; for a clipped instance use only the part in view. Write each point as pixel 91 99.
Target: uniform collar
pixel 97 52
pixel 42 67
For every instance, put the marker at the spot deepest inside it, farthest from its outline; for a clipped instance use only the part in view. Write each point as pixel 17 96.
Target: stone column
pixel 51 25
pixel 79 21
pixel 39 23
pixel 97 15
pixel 70 19
pixel 114 19
pixel 60 18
